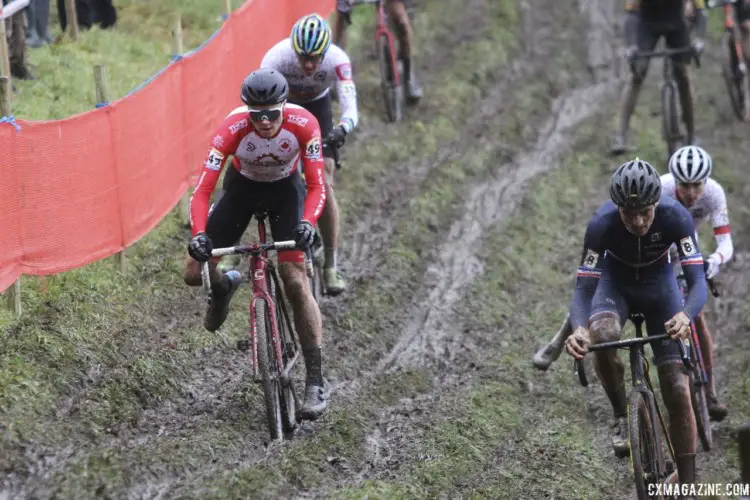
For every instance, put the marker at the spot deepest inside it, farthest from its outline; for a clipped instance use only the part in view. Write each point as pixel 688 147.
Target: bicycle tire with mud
pixel 738 88
pixel 392 93
pixel 286 392
pixel 670 118
pixel 266 368
pixel 699 400
pixel 644 453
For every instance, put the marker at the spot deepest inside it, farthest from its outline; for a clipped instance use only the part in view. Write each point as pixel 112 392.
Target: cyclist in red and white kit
pixel 267 139
pixel 689 182
pixel 312 65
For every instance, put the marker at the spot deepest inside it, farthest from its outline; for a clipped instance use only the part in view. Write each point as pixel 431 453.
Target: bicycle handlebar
pixel 668 53
pixel 253 248
pixel 335 151
pixel 629 343
pixel 712 4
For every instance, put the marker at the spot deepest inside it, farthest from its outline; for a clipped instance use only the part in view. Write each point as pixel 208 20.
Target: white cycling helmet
pixel 690 164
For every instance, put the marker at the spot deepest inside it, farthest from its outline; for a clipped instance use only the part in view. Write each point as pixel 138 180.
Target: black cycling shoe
pixel 218 306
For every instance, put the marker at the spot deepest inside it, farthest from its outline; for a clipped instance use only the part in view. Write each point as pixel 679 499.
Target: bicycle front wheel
pixel 267 369
pixel 392 93
pixel 644 451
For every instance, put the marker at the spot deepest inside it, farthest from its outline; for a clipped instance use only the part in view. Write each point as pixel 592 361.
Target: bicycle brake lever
pixel 205 279
pixel 685 354
pixel 579 369
pixel 309 263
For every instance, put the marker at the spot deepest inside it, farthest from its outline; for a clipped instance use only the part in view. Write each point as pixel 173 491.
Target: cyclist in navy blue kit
pixel 625 268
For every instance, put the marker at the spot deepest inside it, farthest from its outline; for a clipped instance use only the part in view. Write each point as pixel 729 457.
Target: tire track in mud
pixel 431 337
pixel 432 334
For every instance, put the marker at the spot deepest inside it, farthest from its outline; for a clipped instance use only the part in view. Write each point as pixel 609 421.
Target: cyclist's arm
pixel 720 223
pixel 311 151
pixel 347 95
pixel 691 261
pixel 223 144
pixel 587 277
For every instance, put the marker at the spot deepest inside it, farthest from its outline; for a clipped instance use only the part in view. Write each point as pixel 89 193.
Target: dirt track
pixel 406 352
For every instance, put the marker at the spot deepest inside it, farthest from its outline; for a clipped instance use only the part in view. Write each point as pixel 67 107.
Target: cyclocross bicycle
pixel 390 73
pixel 670 108
pixel 733 61
pixel 698 375
pixel 274 342
pixel 646 439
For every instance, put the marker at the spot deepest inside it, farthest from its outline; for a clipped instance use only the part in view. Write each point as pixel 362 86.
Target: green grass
pixel 137 48
pixel 98 358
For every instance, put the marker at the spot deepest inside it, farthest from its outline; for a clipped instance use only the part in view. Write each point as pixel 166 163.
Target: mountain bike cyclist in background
pixel 311 65
pixel 689 182
pixel 646 21
pixel 705 199
pixel 625 268
pixel 398 11
pixel 267 139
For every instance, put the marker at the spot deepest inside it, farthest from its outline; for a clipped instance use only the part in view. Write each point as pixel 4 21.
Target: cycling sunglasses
pixel 258 115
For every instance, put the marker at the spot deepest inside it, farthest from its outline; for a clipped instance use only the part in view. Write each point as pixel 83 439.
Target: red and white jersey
pixel 712 205
pixel 264 160
pixel 335 68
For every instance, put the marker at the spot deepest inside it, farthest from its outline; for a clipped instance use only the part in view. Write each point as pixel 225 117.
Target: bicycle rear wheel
pixel 268 370
pixel 645 454
pixel 699 400
pixel 392 93
pixel 316 282
pixel 670 118
pixel 287 399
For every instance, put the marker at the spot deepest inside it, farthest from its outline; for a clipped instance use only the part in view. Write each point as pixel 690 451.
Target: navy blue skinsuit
pixel 622 273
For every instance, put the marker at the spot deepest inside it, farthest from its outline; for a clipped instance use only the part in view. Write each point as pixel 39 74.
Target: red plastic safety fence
pixel 101 180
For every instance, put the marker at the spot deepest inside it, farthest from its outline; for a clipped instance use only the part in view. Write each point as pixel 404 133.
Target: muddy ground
pixel 462 228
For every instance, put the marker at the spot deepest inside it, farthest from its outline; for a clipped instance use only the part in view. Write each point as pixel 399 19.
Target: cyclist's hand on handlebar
pixel 712 266
pixel 577 344
pixel 630 53
pixel 304 235
pixel 698 45
pixel 679 326
pixel 336 137
pixel 200 247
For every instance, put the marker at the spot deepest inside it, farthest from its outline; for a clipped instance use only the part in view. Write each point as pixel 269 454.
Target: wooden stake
pixel 177 50
pixel 14 292
pixel 102 93
pixel 228 7
pixel 71 15
pixel 4 57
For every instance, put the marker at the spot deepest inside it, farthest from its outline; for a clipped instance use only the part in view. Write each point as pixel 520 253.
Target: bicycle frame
pixel 382 29
pixel 259 267
pixel 640 376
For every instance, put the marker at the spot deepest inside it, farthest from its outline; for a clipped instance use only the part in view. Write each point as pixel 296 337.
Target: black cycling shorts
pixel 322 110
pixel 675 32
pixel 658 301
pixel 241 198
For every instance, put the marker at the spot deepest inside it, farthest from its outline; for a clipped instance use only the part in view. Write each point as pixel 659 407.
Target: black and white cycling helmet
pixel 690 164
pixel 264 86
pixel 635 184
